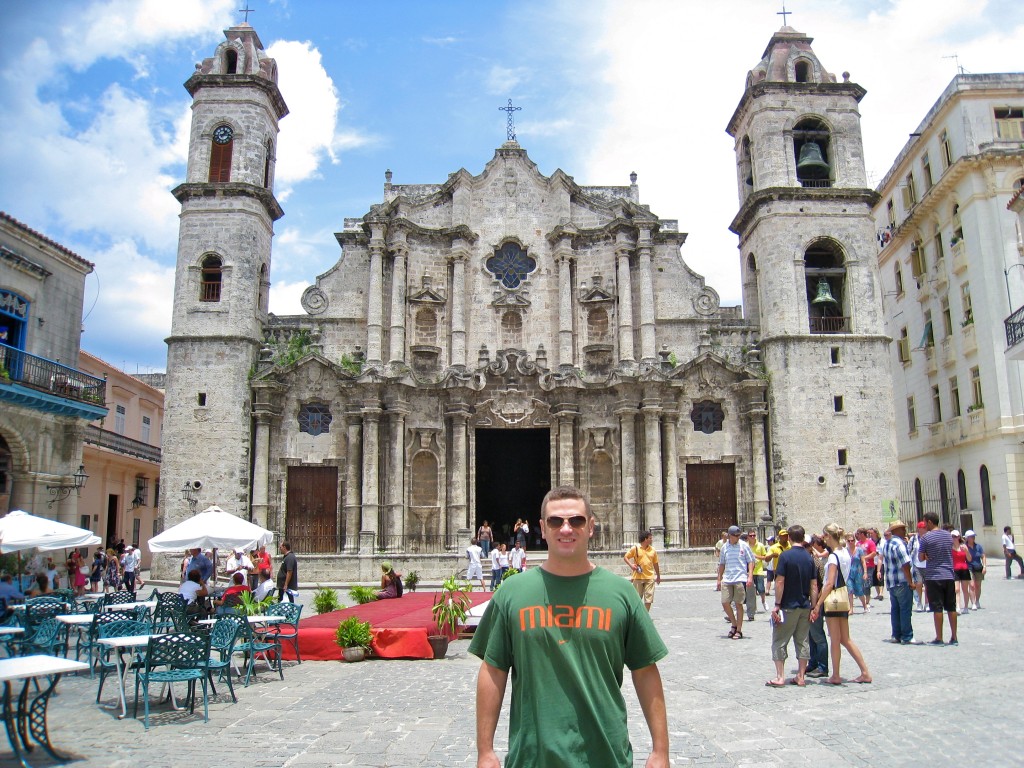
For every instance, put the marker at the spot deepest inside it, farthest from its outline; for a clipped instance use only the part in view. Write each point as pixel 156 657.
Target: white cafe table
pixel 25 718
pixel 76 619
pixel 120 645
pixel 151 604
pixel 12 630
pixel 258 619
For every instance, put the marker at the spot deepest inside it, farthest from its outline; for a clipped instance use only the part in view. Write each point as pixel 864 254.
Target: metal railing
pixel 830 324
pixel 1014 328
pixel 104 439
pixel 48 376
pixel 816 183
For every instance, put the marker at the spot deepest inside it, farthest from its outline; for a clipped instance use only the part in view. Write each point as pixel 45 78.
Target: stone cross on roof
pixel 247 10
pixel 783 13
pixel 511 121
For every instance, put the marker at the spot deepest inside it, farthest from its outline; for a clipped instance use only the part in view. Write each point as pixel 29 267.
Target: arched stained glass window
pixel 510 265
pixel 315 418
pixel 707 417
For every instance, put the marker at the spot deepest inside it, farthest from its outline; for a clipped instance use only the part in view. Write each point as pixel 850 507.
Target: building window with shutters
pixel 954 396
pixel 119 419
pixel 1010 123
pixel 978 400
pixel 911 415
pixel 145 431
pixel 220 153
pixel 904 346
pixel 926 168
pixel 936 405
pixel 945 150
pixel 909 193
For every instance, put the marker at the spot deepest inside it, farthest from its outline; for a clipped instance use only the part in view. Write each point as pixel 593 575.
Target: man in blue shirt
pixel 796 589
pixel 900 583
pixel 200 562
pixel 9 593
pixel 937 552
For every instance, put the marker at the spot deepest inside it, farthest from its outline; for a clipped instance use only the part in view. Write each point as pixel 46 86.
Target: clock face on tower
pixel 223 134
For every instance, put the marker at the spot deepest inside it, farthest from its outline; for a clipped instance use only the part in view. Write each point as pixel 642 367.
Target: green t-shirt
pixel 566 640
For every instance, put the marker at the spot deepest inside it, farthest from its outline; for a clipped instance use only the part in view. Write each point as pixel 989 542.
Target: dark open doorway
pixel 513 472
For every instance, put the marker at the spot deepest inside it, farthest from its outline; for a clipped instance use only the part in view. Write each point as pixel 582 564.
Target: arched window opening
pixel 803 71
pixel 825 277
pixel 898 274
pixel 231 61
pixel 961 488
pixel 947 509
pixel 747 165
pixel 986 497
pixel 267 159
pixel 212 276
pixel 426 326
pixel 752 265
pixel 958 227
pixel 512 329
pixel 264 294
pixel 812 149
pixel 940 252
pixel 918 499
pixel 220 153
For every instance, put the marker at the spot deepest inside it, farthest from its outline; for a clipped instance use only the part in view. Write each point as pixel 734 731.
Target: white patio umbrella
pixel 19 530
pixel 213 528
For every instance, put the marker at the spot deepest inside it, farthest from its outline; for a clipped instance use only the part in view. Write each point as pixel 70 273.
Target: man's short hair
pixel 195 575
pixel 931 517
pixel 265 573
pixel 862 531
pixel 1006 529
pixel 238 577
pixel 796 534
pixel 472 541
pixel 565 492
pixel 645 535
pixel 286 545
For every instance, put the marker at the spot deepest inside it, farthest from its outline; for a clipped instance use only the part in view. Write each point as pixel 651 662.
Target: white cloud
pixel 286 298
pixel 310 130
pixel 503 80
pixel 441 41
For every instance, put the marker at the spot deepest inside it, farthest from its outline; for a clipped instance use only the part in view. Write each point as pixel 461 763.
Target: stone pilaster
pixel 566 414
pixel 458 507
pixel 394 483
pixel 644 255
pixel 759 462
pixel 398 275
pixel 353 479
pixel 625 292
pixel 375 296
pixel 261 470
pixel 669 423
pixel 627 466
pixel 371 468
pixel 563 257
pixel 459 254
pixel 654 513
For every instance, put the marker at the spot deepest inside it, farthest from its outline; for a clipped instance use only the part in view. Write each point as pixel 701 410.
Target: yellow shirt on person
pixel 646 558
pixel 760 550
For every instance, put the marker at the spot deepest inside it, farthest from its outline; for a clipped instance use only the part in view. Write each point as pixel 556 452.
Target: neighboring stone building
pixel 122 458
pixel 487 337
pixel 46 401
pixel 950 261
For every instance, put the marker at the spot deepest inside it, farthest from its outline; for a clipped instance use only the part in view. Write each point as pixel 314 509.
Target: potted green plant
pixel 451 606
pixel 250 606
pixel 361 594
pixel 354 638
pixel 326 600
pixel 412 579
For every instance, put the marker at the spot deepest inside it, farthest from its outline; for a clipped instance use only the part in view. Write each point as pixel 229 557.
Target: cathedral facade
pixel 484 338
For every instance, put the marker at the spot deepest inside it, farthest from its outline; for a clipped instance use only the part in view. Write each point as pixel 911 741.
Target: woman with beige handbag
pixel 835 599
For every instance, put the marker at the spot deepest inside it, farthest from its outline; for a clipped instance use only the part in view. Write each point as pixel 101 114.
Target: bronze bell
pixel 824 293
pixel 811 164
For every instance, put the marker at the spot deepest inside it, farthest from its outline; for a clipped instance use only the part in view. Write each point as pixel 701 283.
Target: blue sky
pixel 95 118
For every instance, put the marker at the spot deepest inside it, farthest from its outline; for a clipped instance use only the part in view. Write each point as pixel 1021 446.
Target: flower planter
pixel 353 654
pixel 439 645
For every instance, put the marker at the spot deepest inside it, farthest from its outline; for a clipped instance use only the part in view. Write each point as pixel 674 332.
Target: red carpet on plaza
pixel 399 627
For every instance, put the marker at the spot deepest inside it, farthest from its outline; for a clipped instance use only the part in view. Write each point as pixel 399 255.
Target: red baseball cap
pixel 921 525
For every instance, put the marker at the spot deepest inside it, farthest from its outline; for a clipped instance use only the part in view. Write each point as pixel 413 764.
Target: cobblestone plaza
pixel 944 705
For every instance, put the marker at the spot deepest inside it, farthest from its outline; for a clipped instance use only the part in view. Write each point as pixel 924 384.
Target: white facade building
pixel 952 272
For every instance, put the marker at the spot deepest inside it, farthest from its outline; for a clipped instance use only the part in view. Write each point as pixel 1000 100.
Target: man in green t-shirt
pixel 566 630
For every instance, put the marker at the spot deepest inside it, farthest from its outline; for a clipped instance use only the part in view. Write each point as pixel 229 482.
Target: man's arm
pixel 780 590
pixel 490 690
pixel 657 574
pixel 651 696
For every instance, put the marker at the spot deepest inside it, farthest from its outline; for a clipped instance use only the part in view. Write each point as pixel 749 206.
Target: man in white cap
pixel 128 566
pixel 735 576
pixel 239 562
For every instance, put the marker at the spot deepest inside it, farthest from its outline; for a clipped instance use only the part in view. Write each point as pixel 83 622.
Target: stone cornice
pixel 766 87
pixel 199 81
pixel 805 194
pixel 191 190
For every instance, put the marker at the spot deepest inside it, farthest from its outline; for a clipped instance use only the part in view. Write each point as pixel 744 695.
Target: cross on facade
pixel 247 10
pixel 511 122
pixel 783 13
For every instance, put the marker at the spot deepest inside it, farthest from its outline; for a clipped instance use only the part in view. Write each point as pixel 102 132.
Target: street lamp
pixel 188 493
pixel 849 482
pixel 63 490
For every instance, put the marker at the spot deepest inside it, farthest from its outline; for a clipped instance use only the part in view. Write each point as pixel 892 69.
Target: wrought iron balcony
pixel 44 375
pixel 103 438
pixel 816 183
pixel 830 325
pixel 1014 325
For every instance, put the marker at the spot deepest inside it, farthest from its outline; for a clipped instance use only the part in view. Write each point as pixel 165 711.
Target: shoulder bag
pixel 838 600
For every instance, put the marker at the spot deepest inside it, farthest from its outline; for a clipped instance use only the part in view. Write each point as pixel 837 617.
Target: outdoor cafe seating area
pixel 152 651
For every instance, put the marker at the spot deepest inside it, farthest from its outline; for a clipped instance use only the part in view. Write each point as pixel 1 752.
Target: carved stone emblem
pixel 512 406
pixel 706 302
pixel 314 301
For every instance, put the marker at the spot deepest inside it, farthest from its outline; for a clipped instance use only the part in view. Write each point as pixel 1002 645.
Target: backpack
pixel 399 586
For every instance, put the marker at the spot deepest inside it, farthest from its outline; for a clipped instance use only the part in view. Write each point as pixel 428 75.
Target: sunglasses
pixel 555 522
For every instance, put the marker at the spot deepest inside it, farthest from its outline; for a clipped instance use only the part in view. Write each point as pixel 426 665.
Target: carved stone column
pixel 371 468
pixel 625 291
pixel 353 479
pixel 261 469
pixel 563 257
pixel 671 472
pixel 566 414
pixel 759 462
pixel 459 255
pixel 397 330
pixel 654 513
pixel 394 485
pixel 458 507
pixel 645 253
pixel 627 466
pixel 375 296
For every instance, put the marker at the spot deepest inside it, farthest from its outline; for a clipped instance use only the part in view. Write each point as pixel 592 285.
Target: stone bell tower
pixel 810 279
pixel 228 210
